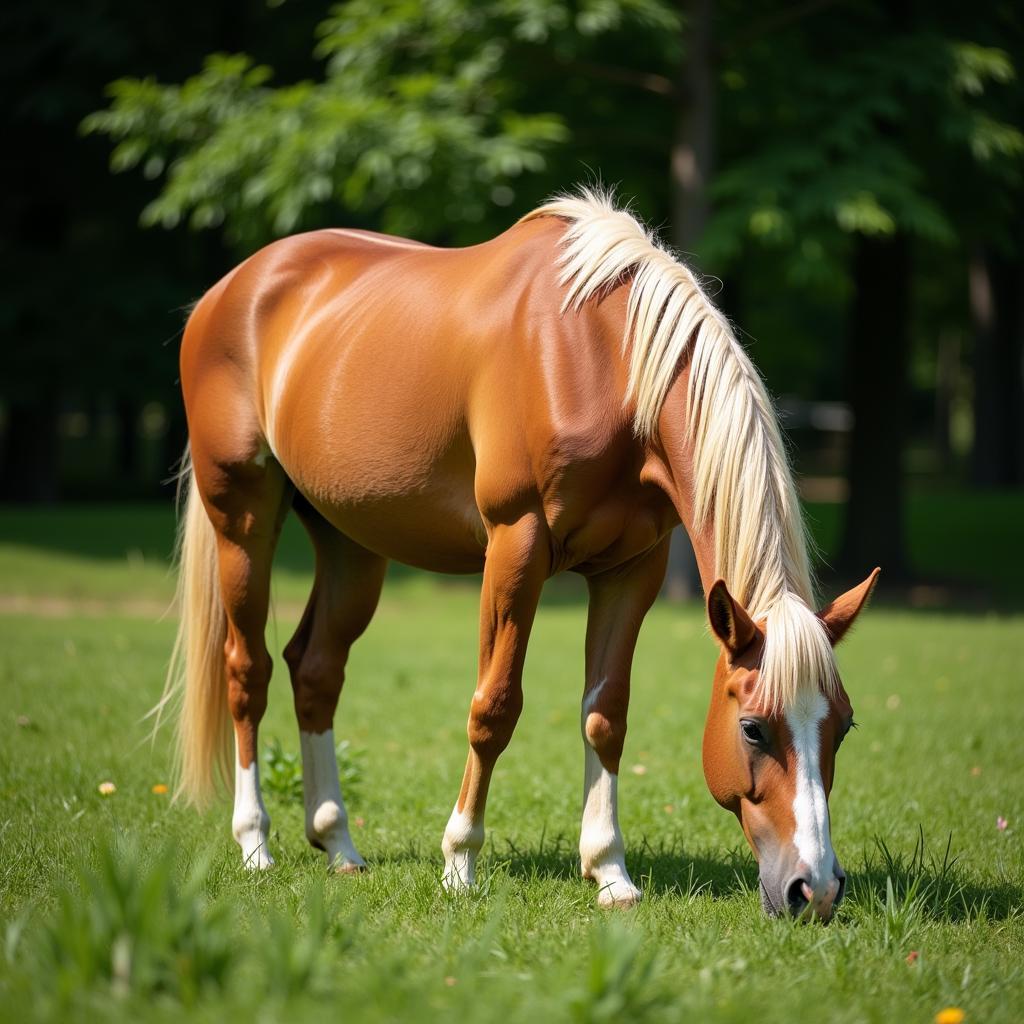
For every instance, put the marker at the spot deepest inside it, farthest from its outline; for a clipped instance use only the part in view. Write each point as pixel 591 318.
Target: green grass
pixel 938 701
pixel 958 537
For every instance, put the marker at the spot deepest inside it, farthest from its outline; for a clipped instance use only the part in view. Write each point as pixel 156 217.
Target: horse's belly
pixel 430 522
pixel 388 468
pixel 428 535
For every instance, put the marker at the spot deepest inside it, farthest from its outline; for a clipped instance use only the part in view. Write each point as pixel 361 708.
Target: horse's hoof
pixel 260 860
pixel 618 894
pixel 347 868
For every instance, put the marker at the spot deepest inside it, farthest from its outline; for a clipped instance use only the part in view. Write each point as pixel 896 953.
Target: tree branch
pixel 659 85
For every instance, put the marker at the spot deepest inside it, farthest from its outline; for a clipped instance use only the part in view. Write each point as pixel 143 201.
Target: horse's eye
pixel 843 733
pixel 752 732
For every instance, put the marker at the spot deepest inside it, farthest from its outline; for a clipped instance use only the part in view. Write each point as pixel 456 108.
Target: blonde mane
pixel 742 479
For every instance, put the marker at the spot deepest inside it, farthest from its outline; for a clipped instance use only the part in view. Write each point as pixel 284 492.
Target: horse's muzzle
pixel 796 896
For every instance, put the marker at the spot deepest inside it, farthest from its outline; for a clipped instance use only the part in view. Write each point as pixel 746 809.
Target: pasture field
pixel 127 907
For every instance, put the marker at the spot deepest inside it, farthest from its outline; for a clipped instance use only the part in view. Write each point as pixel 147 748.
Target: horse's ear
pixel 840 614
pixel 729 620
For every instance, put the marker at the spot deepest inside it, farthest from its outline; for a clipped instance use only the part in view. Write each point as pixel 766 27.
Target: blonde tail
pixel 195 677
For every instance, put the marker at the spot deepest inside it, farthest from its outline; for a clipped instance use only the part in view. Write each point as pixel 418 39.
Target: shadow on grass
pixel 937 888
pixel 667 869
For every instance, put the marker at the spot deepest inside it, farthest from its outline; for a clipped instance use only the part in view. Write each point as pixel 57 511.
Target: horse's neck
pixel 675 450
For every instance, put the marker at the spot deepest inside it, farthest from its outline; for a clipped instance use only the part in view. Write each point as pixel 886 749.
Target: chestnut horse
pixel 559 397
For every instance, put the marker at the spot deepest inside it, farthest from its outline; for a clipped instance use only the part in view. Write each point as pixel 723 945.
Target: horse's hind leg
pixel 619 600
pixel 345 593
pixel 245 499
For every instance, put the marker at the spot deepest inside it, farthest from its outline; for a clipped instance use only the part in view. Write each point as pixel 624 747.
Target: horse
pixel 557 398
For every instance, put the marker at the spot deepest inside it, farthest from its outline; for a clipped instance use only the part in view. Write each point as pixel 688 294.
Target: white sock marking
pixel 326 817
pixel 250 823
pixel 602 851
pixel 462 841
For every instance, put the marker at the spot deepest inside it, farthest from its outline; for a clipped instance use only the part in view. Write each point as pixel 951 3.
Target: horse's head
pixel 773 766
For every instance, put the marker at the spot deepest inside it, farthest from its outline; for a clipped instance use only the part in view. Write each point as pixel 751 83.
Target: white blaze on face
pixel 812 837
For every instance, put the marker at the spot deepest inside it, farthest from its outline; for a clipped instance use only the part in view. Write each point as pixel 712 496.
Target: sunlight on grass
pixel 128 906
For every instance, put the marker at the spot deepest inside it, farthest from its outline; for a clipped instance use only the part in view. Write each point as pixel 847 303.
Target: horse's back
pixel 411 392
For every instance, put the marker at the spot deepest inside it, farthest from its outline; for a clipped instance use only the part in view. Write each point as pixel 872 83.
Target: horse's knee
pixel 492 719
pixel 605 731
pixel 316 686
pixel 295 650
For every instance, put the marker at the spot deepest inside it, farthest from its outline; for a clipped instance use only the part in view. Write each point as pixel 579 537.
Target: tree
pixel 423 120
pixel 691 170
pixel 839 185
pixel 90 301
pixel 431 119
pixel 996 284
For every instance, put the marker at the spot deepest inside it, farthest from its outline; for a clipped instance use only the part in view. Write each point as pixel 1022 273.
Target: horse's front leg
pixel 518 562
pixel 619 600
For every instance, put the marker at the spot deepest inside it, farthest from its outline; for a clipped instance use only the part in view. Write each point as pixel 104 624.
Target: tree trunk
pixel 947 379
pixel 996 310
pixel 692 159
pixel 693 144
pixel 127 440
pixel 876 376
pixel 28 462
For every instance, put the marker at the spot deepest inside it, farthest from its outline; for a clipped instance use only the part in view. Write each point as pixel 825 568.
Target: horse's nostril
pixel 796 900
pixel 842 889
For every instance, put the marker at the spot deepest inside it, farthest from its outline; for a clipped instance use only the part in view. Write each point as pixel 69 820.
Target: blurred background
pixel 847 175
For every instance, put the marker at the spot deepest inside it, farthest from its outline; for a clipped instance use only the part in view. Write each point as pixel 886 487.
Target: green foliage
pixel 877 111
pixel 132 928
pixel 916 884
pixel 427 112
pixel 442 120
pixel 281 774
pixel 420 118
pixel 620 981
pixel 295 959
pixel 350 771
